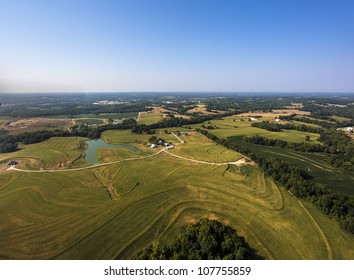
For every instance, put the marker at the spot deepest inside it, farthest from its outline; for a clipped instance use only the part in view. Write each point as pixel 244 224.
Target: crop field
pixel 275 113
pixel 200 109
pixel 17 126
pixel 90 121
pixel 149 118
pixel 53 153
pixel 312 163
pixel 99 116
pixel 114 211
pixel 340 119
pixel 240 126
pixel 307 117
pixel 199 147
pixel 235 127
pixel 125 136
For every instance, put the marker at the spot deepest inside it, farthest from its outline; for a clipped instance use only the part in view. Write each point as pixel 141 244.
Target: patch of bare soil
pixel 200 109
pixel 189 220
pixel 244 161
pixel 28 125
pixel 165 113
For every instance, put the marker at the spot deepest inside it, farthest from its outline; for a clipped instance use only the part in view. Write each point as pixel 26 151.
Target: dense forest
pixel 320 108
pixel 204 240
pixel 336 205
pixel 7 143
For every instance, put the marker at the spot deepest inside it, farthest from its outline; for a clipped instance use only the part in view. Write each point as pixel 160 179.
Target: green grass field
pixel 199 148
pixel 53 153
pixel 90 121
pixel 125 136
pixel 340 119
pixel 312 163
pixel 113 211
pixel 149 118
pixel 233 126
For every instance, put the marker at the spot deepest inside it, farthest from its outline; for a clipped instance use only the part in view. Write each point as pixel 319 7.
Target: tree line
pixel 336 205
pixel 300 147
pixel 295 117
pixel 23 111
pixel 326 111
pixel 277 127
pixel 204 240
pixel 7 145
pixel 340 147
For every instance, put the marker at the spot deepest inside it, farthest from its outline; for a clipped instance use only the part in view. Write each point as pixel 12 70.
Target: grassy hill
pixel 114 211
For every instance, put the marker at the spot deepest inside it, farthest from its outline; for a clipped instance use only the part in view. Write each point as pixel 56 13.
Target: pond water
pixel 93 145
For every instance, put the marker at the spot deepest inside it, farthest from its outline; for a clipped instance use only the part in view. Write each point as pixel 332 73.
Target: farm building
pixel 253 119
pixel 12 163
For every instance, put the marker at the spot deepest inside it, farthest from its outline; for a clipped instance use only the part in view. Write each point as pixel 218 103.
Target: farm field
pixel 199 147
pixel 99 116
pixel 125 136
pixel 17 126
pixel 275 113
pixel 90 121
pixel 150 118
pixel 200 109
pixel 114 211
pixel 55 153
pixel 240 126
pixel 164 112
pixel 312 163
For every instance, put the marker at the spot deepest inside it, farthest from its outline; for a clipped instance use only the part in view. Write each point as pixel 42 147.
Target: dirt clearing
pixel 30 125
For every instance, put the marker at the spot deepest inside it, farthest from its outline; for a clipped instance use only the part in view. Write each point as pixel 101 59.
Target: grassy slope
pixel 199 148
pixel 71 215
pixel 149 118
pixel 228 127
pixel 56 152
pixel 313 163
pixel 90 121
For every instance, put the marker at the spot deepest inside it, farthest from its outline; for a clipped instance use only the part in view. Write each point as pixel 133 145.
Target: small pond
pixel 93 145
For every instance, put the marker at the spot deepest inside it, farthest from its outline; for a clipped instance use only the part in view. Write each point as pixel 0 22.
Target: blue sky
pixel 221 45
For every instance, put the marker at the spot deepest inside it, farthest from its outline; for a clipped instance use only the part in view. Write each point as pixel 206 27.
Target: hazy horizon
pixel 177 46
